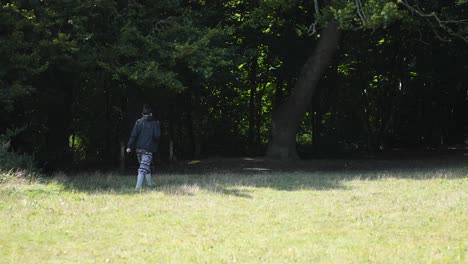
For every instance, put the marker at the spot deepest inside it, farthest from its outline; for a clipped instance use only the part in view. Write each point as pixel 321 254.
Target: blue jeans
pixel 144 171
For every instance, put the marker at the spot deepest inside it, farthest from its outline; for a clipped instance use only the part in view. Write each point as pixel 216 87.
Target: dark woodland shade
pixel 220 82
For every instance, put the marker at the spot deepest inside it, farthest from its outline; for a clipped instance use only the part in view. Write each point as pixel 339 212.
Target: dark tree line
pixel 281 78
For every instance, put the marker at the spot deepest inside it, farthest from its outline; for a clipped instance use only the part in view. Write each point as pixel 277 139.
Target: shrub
pixel 11 160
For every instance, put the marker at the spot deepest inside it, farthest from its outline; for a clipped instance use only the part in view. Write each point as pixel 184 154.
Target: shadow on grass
pixel 238 185
pixel 343 166
pixel 237 177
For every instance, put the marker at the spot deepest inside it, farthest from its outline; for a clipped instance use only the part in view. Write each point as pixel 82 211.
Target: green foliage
pixel 83 68
pixel 356 15
pixel 9 159
pixel 20 59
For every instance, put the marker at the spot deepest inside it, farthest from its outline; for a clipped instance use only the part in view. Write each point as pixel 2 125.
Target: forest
pixel 284 79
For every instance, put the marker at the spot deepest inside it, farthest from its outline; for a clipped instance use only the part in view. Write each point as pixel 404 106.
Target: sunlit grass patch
pixel 351 217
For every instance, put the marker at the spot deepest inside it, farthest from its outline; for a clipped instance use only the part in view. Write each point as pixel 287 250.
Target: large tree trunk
pixel 286 119
pixel 252 106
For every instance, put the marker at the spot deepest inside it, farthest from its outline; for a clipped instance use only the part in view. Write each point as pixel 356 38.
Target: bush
pixel 10 160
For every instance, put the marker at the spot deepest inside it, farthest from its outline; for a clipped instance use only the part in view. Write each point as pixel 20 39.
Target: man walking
pixel 144 139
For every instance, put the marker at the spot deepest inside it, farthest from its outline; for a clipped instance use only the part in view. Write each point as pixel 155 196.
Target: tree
pixel 75 73
pixel 287 117
pixel 347 15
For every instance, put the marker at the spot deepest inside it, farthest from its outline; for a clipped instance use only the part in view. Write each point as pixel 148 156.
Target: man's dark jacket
pixel 145 134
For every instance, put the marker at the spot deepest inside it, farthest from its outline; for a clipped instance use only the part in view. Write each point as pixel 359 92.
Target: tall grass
pixel 399 216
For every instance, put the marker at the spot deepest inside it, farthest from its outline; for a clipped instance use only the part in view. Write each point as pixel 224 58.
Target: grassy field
pixel 404 216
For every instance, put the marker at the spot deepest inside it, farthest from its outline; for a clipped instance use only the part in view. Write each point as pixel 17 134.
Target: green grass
pixel 322 217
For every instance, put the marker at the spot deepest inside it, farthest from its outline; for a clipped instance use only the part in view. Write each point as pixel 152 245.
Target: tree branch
pixel 360 11
pixel 441 23
pixel 312 29
pixel 316 5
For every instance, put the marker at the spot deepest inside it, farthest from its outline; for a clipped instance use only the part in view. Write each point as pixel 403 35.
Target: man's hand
pixel 129 150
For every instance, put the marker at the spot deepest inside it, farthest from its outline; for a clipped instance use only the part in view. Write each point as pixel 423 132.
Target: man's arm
pixel 133 137
pixel 156 131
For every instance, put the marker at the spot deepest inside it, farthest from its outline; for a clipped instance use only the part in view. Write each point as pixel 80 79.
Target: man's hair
pixel 146 109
